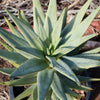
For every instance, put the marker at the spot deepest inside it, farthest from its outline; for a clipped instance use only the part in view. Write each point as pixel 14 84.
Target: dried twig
pixel 4 95
pixel 73 4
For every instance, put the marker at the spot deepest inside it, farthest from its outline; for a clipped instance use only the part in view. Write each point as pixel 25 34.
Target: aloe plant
pixel 47 56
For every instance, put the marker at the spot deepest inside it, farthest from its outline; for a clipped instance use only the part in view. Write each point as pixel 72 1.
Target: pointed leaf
pixel 13 29
pixel 52 61
pixel 43 35
pixel 35 93
pixel 64 69
pixel 70 92
pixel 57 29
pixel 70 97
pixel 54 97
pixel 31 97
pixel 87 79
pixel 57 87
pixel 27 32
pixel 81 14
pixel 26 93
pixel 9 48
pixel 83 63
pixel 12 39
pixel 82 27
pixel 21 82
pixel 49 94
pixel 45 76
pixel 96 50
pixel 64 19
pixel 22 17
pixel 14 58
pixel 7 71
pixel 33 51
pixel 51 18
pixel 42 32
pixel 25 54
pixel 89 56
pixel 76 50
pixel 68 28
pixel 69 46
pixel 72 85
pixel 29 75
pixel 32 65
pixel 38 12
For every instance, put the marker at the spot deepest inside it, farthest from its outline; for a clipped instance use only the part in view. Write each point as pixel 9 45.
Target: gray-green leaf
pixel 45 76
pixel 32 65
pixel 57 87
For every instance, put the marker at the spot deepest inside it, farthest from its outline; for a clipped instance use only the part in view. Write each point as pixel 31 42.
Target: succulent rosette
pixel 47 56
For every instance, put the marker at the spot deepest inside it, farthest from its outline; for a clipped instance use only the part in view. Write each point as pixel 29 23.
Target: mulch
pixel 26 5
